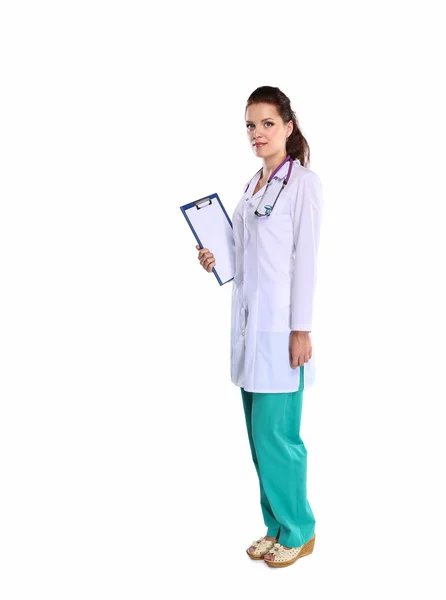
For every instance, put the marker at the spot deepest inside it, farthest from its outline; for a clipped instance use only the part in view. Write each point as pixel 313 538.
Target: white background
pixel 125 465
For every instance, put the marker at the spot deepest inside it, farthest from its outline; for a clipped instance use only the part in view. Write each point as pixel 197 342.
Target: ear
pixel 290 129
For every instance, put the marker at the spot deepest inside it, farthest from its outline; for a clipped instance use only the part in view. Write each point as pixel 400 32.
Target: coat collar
pixel 281 173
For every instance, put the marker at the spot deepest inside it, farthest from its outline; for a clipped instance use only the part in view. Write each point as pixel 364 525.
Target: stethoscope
pixel 268 208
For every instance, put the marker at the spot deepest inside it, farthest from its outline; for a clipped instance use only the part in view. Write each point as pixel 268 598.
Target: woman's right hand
pixel 206 258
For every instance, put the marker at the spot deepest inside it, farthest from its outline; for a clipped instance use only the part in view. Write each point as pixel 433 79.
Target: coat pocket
pixel 275 308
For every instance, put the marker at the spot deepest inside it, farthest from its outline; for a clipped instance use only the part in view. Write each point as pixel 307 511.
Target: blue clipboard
pixel 213 229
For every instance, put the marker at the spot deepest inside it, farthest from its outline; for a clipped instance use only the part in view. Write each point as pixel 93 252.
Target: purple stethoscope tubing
pixel 285 181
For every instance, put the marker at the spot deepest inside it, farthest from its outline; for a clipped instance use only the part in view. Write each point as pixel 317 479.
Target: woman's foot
pixel 270 556
pixel 264 543
pixel 267 537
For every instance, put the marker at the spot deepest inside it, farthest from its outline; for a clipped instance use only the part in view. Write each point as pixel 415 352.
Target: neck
pixel 272 162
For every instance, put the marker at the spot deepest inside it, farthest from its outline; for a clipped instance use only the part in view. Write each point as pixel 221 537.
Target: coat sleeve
pixel 306 224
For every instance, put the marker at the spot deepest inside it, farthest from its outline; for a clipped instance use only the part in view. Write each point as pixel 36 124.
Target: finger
pixel 205 255
pixel 293 359
pixel 204 263
pixel 208 260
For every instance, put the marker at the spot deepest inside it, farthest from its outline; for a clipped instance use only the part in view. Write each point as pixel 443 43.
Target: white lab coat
pixel 274 282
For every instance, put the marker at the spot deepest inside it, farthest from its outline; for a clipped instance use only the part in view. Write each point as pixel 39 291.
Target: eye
pixel 266 123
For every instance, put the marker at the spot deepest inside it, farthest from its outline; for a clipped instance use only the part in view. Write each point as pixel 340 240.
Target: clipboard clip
pixel 199 202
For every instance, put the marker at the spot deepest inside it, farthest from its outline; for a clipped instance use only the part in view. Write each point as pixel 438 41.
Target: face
pixel 264 125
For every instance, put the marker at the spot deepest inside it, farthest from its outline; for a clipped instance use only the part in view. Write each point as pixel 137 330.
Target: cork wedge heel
pixel 285 558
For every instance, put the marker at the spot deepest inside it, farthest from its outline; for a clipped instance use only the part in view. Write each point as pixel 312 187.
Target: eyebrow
pixel 267 119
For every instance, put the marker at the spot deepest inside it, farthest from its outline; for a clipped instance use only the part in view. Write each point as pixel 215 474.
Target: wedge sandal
pixel 285 558
pixel 261 547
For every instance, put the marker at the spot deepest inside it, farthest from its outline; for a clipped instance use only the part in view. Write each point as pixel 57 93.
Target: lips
pixel 260 144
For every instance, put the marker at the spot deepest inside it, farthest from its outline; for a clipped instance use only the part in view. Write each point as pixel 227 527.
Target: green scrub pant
pixel 280 459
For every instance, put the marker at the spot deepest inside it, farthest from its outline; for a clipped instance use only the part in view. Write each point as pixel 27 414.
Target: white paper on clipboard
pixel 212 228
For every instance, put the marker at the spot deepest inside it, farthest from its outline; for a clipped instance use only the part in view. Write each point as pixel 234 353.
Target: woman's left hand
pixel 300 348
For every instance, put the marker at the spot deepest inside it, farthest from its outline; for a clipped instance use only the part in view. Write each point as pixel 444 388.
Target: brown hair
pixel 296 145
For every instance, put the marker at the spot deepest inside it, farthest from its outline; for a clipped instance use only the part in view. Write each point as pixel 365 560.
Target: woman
pixel 276 227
